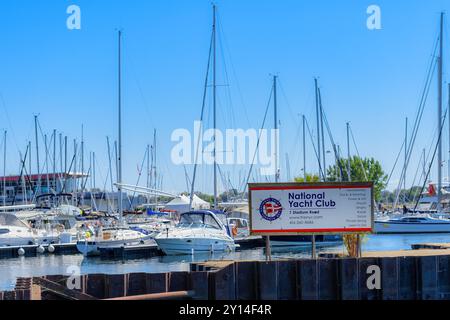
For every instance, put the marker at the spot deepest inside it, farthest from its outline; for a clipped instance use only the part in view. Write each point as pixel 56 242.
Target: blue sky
pixel 372 79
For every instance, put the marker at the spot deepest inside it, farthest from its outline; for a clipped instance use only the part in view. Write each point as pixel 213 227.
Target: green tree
pixel 367 169
pixel 309 178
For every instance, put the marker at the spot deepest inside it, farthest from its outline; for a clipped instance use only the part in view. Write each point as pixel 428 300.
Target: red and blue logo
pixel 270 209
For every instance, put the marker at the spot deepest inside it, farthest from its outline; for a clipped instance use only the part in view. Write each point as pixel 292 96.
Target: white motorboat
pixel 412 224
pixel 197 232
pixel 14 232
pixel 110 238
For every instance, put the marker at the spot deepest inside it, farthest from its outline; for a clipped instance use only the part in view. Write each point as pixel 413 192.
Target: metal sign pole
pixel 358 243
pixel 268 249
pixel 313 243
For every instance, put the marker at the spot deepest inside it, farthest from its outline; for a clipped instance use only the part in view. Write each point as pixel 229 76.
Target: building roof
pixel 51 176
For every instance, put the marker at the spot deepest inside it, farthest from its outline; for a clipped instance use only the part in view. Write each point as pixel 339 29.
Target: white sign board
pixel 320 208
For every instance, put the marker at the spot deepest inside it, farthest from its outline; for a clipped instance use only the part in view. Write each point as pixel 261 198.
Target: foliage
pixel 309 178
pixel 367 169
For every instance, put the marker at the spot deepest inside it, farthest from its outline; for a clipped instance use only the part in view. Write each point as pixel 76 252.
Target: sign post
pixel 290 209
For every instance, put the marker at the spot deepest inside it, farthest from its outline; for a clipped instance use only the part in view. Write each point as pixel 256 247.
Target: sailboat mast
pixel 119 154
pixel 406 151
pixel 215 105
pixel 324 165
pixel 448 175
pixel 304 147
pixel 54 159
pixel 348 154
pixel 4 169
pixel 82 163
pixel 37 154
pixel 318 123
pixel 277 176
pixel 440 70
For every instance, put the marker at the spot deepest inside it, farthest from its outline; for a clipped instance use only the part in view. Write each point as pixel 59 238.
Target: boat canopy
pixel 204 218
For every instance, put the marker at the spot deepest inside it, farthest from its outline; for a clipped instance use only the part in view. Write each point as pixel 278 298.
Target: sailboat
pixel 120 235
pixel 416 222
pixel 200 231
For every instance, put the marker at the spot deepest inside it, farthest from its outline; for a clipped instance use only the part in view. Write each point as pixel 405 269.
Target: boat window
pixel 211 222
pixel 4 231
pixel 191 220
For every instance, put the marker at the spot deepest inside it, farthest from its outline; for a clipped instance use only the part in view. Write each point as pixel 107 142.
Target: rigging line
pixel 314 147
pixel 361 162
pixel 202 114
pixel 434 155
pixel 141 92
pixel 283 92
pixel 23 165
pixel 226 47
pixel 293 117
pixel 297 150
pixel 84 183
pixel 8 119
pixel 47 152
pixel 395 163
pixel 227 80
pixel 419 165
pixel 357 152
pixel 140 173
pixel 427 83
pixel 421 107
pixel 223 178
pixel 423 175
pixel 415 130
pixel 259 139
pixel 330 134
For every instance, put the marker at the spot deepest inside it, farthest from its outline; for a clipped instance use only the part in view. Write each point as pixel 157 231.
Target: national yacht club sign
pixel 316 208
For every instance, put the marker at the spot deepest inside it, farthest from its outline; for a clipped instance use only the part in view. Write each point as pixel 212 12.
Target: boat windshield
pixel 11 220
pixel 198 220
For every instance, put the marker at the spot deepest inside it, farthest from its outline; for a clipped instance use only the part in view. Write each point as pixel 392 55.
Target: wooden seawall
pixel 402 278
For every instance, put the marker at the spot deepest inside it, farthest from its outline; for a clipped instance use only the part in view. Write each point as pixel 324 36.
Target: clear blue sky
pixel 372 79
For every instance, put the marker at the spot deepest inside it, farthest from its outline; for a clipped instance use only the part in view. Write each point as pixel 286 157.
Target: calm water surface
pixel 10 269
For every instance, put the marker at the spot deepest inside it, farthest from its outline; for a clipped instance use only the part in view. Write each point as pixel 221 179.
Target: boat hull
pixel 177 246
pixel 92 248
pixel 389 227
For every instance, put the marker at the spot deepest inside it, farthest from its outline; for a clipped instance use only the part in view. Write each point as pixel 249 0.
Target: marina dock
pixel 122 253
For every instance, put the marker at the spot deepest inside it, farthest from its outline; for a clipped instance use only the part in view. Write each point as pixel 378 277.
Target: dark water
pixel 54 265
